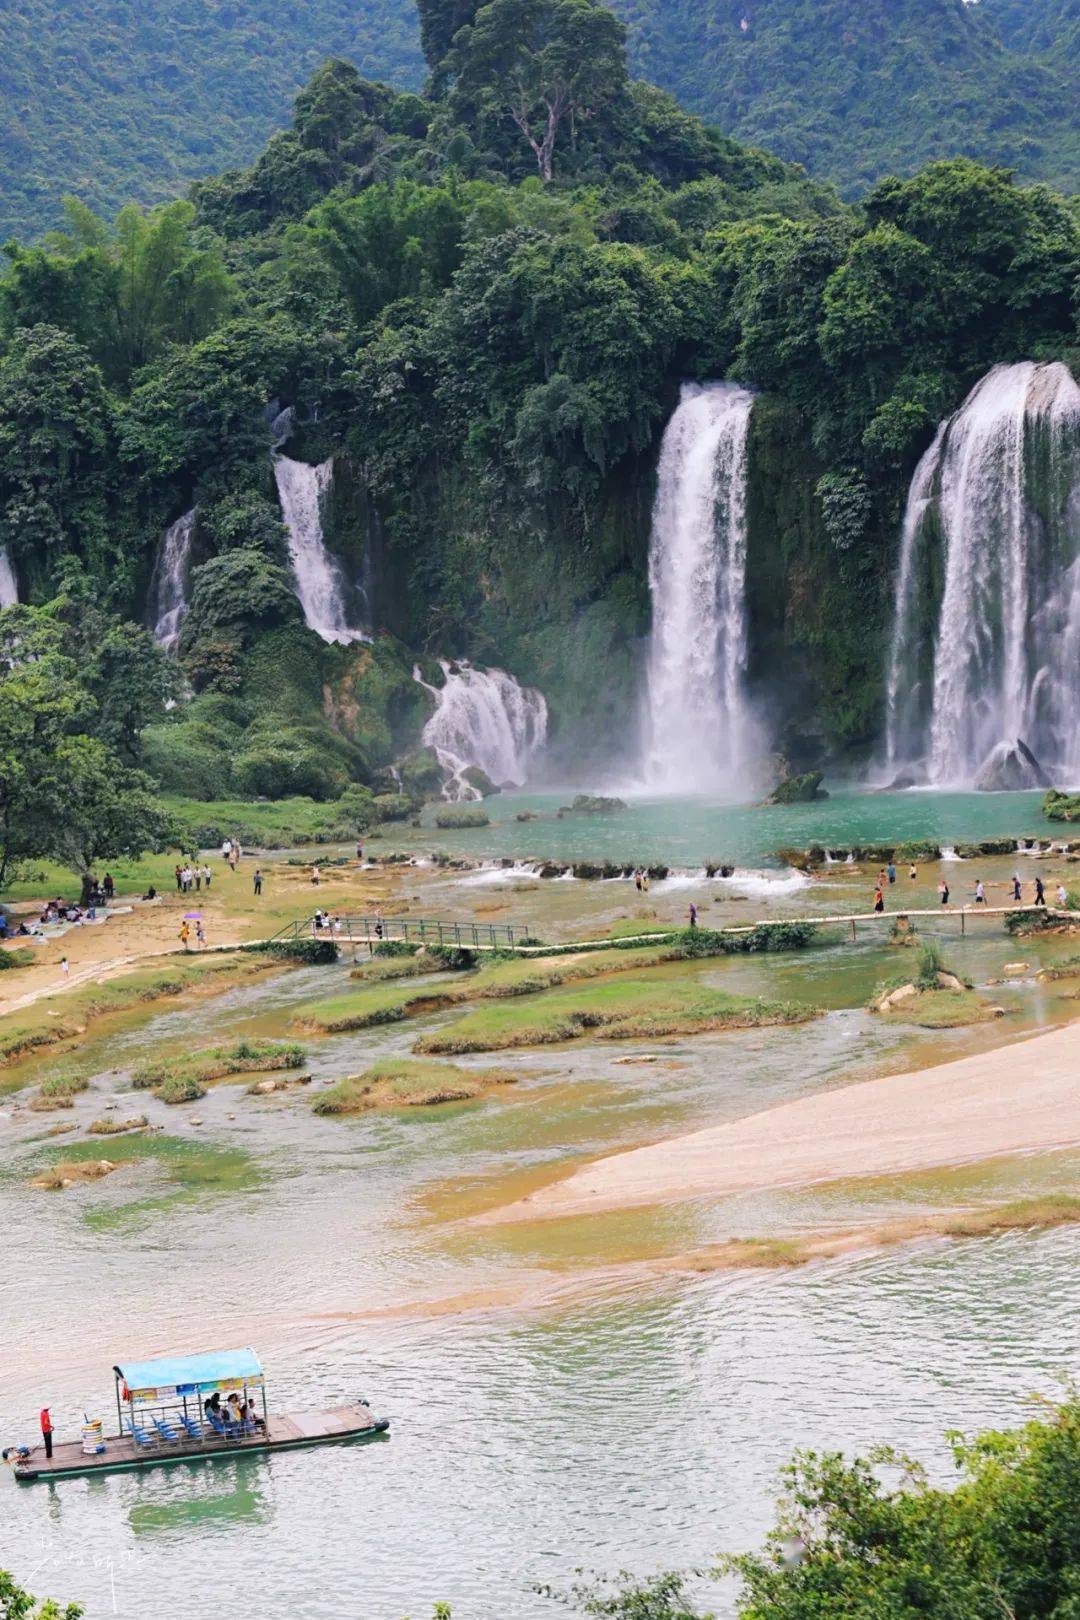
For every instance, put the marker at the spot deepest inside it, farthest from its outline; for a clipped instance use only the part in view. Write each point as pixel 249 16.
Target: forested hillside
pixel 481 305
pixel 856 89
pixel 128 100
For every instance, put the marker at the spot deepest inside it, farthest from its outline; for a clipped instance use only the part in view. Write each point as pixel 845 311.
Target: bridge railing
pixel 372 929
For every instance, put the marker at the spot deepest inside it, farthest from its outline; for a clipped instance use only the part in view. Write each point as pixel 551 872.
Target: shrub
pixel 312 952
pixel 786 936
pixel 18 958
pixel 457 958
pixel 179 1089
pixel 930 965
pixel 395 947
pixel 462 815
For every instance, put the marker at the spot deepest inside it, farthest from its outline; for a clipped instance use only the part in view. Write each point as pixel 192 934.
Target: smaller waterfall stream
pixel 168 586
pixel 698 730
pixel 998 493
pixel 320 585
pixel 9 589
pixel 484 718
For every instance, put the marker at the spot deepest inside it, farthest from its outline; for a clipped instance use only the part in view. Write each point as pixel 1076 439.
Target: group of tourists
pixel 231 852
pixel 233 1416
pixel 186 932
pixel 888 875
pixel 189 877
pixel 641 880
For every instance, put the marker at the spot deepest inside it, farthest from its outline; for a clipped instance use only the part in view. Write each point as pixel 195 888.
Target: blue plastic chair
pixel 192 1427
pixel 166 1430
pixel 144 1438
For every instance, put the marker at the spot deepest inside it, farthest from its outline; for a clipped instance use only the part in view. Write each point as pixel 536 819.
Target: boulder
pixel 1010 768
pixel 802 789
pixel 949 981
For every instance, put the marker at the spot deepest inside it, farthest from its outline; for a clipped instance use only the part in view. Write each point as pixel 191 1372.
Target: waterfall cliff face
pixel 9 589
pixel 169 584
pixel 483 717
pixel 998 494
pixel 698 730
pixel 320 585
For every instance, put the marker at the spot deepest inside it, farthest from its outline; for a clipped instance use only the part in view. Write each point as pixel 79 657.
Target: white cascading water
pixel 483 717
pixel 168 586
pixel 698 729
pixel 320 587
pixel 999 490
pixel 9 589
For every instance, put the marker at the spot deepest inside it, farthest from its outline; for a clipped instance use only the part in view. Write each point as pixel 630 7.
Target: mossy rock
pixel 804 789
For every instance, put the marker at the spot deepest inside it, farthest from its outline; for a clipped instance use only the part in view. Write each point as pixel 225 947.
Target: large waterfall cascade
pixel 9 589
pixel 169 584
pixel 698 730
pixel 320 584
pixel 999 492
pixel 484 718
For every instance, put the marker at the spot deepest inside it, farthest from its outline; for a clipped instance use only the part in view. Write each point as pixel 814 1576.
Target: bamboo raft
pixel 122 1454
pixel 168 1411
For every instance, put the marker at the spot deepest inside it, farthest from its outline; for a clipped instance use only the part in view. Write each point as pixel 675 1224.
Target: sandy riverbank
pixel 1018 1099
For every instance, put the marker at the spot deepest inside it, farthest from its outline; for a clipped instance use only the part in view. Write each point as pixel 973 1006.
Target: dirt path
pixel 1018 1099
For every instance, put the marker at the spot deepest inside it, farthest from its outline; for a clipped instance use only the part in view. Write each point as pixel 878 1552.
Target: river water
pixel 558 1398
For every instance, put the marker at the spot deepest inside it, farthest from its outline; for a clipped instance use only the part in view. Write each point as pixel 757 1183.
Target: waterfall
pixel 697 723
pixel 484 718
pixel 320 585
pixel 168 585
pixel 999 494
pixel 9 589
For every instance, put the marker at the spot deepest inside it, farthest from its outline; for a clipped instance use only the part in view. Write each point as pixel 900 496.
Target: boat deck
pixel 285 1432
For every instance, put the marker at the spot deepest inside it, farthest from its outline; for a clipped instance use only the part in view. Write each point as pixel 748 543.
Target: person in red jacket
pixel 46 1430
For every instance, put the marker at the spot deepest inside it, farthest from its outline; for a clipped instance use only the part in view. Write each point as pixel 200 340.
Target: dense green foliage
pixel 856 90
pixel 130 100
pixel 123 101
pixel 490 355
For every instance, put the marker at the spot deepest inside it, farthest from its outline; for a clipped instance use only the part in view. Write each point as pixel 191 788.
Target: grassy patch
pixel 408 1083
pixel 59 1091
pixel 512 977
pixel 618 1009
pixel 72 1173
pixel 20 957
pixel 217 1062
pixel 117 1127
pixel 179 1088
pixel 39 1026
pixel 462 815
pixel 940 1009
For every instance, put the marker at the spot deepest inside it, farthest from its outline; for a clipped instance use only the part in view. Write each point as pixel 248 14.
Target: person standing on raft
pixel 46 1430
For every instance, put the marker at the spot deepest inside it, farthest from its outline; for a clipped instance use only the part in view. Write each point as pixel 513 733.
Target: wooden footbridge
pixel 373 930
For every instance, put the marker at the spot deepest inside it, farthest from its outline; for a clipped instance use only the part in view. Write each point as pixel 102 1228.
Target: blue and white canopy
pixel 190 1375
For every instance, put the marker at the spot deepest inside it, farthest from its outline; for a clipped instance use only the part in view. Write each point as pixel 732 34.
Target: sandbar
pixel 1021 1098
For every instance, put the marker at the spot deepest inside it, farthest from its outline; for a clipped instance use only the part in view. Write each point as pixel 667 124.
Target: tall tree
pixel 545 64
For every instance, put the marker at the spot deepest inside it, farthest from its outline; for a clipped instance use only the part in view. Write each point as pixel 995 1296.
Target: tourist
pixel 46 1430
pixel 913 871
pixel 235 1412
pixel 179 878
pixel 1040 892
pixel 644 882
pixel 258 881
pixel 212 1409
pixel 693 915
pixel 197 874
pixel 879 899
pixel 1062 896
pixel 892 872
pixel 200 937
pixel 943 890
pixel 315 877
pixel 359 850
pixel 378 925
pixel 185 934
pixel 65 966
pixel 882 878
pixel 637 879
pixel 226 849
pixel 980 892
pixel 1016 887
pixel 109 887
pixel 151 893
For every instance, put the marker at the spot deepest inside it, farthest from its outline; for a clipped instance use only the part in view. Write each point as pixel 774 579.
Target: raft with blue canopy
pixel 181 1408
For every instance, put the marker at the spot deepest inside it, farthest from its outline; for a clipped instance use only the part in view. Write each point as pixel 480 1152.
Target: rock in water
pixel 798 789
pixel 1011 768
